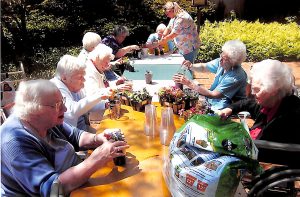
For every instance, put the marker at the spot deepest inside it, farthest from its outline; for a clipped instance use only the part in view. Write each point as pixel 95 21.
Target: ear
pixel 63 78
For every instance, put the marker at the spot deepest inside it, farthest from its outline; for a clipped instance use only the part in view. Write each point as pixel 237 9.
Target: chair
pixel 9 83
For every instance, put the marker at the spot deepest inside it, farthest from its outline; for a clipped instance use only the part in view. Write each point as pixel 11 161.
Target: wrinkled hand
pixel 180 78
pixel 125 86
pixel 224 113
pixel 187 64
pixel 109 150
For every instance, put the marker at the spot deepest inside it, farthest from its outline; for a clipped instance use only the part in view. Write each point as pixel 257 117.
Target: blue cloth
pixel 154 38
pixel 111 75
pixel 29 163
pixel 231 84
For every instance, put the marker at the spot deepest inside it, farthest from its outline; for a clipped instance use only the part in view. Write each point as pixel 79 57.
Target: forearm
pixel 199 67
pixel 203 91
pixel 90 140
pixel 166 38
pixel 79 174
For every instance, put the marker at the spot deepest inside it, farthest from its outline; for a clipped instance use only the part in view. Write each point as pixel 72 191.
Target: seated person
pixel 274 108
pixel 38 148
pixel 89 41
pixel 154 37
pixel 115 41
pixel 230 80
pixel 69 78
pixel 98 62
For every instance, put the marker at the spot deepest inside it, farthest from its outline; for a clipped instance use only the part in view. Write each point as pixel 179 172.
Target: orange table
pixel 142 175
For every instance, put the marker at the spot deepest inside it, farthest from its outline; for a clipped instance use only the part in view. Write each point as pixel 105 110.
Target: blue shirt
pixel 231 84
pixel 154 38
pixel 29 163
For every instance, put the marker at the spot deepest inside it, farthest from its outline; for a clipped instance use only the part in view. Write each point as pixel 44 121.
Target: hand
pixel 187 64
pixel 121 80
pixel 119 61
pixel 180 78
pixel 224 113
pixel 109 150
pixel 125 86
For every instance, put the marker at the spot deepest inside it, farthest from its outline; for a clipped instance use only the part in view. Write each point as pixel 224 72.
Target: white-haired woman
pixel 89 41
pixel 183 30
pixel 155 37
pixel 69 78
pixel 38 148
pixel 98 62
pixel 274 108
pixel 230 80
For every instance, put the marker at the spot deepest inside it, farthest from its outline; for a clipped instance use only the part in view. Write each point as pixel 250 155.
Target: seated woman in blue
pixel 230 80
pixel 38 149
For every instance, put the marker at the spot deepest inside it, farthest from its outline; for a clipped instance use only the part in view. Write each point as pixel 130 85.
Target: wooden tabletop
pixel 142 174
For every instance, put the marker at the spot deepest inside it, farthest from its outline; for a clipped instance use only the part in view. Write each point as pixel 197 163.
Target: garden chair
pixel 282 179
pixel 9 83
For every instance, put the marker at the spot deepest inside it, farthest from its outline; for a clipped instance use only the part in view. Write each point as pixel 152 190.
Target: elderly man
pixel 69 78
pixel 230 80
pixel 155 37
pixel 38 148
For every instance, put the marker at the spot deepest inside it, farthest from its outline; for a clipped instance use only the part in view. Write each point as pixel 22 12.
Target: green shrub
pixel 45 61
pixel 273 40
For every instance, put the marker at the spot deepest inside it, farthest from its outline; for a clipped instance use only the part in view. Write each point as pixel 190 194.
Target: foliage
pixel 139 96
pixel 273 40
pixel 171 94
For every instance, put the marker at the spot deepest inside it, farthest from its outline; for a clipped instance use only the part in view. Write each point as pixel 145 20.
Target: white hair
pixel 30 94
pixel 101 51
pixel 161 27
pixel 236 51
pixel 273 75
pixel 90 40
pixel 173 5
pixel 67 65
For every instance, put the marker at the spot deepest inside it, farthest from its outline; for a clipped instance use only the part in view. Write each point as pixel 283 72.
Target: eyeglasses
pixel 57 106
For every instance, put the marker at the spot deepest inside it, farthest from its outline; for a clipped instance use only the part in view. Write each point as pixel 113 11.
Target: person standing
pixel 183 30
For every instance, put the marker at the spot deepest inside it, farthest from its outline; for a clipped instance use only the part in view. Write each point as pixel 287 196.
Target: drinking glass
pixel 167 127
pixel 150 120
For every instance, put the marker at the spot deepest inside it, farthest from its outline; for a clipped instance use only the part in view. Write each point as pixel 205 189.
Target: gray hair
pixel 236 51
pixel 90 40
pixel 273 76
pixel 67 65
pixel 120 30
pixel 29 96
pixel 101 51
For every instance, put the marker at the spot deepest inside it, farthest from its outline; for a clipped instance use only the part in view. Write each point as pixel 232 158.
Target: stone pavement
pixel 207 78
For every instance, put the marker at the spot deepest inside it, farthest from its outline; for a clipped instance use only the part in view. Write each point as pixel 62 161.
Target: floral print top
pixel 187 38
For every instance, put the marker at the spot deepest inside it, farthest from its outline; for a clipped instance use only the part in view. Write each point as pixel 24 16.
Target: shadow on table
pixel 118 173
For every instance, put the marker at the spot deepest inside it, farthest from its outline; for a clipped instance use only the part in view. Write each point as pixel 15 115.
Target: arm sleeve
pixel 213 65
pixel 248 104
pixel 84 105
pixel 23 159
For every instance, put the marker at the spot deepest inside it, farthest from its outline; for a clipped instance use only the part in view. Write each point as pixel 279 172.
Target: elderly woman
pixel 274 108
pixel 69 78
pixel 155 37
pixel 230 80
pixel 115 41
pixel 98 62
pixel 38 149
pixel 89 41
pixel 183 30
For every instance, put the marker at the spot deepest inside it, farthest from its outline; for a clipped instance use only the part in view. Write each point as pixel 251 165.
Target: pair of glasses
pixel 57 106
